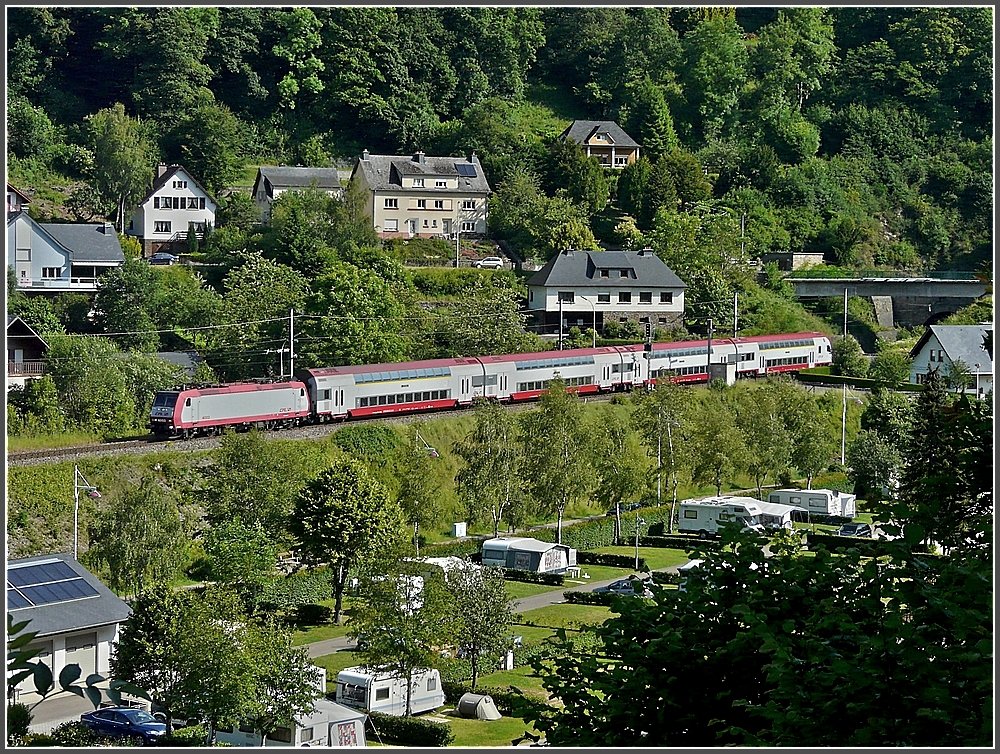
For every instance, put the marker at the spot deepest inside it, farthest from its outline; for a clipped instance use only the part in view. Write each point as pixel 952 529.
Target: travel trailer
pixel 527 554
pixel 707 516
pixel 817 502
pixel 377 690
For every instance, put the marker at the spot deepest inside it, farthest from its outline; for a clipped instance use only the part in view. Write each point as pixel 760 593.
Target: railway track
pixel 308 432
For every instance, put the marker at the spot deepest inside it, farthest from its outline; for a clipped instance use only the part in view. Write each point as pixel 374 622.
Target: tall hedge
pixel 409 731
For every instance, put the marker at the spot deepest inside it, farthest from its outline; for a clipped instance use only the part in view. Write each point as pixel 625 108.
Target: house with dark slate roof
pixel 175 206
pixel 589 287
pixel 272 181
pixel 605 140
pixel 74 616
pixel 16 199
pixel 58 257
pixel 943 346
pixel 421 196
pixel 25 352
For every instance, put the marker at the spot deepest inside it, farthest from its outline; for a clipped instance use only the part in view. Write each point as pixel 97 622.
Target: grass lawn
pixel 523 678
pixel 321 632
pixel 656 557
pixel 485 732
pixel 518 589
pixel 18 444
pixel 566 615
pixel 334 664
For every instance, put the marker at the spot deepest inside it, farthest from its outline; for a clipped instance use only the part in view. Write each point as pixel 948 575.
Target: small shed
pixel 479 706
pixel 528 554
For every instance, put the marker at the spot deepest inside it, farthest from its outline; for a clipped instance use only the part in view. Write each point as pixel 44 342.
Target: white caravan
pixel 329 724
pixel 817 502
pixel 380 691
pixel 706 516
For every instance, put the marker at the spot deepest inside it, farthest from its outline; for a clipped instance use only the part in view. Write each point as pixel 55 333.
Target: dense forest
pixel 865 133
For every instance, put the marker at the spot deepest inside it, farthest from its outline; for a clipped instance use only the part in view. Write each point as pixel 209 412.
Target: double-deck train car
pixel 345 392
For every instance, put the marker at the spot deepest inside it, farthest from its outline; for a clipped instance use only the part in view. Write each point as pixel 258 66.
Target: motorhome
pixel 820 503
pixel 527 554
pixel 377 690
pixel 707 515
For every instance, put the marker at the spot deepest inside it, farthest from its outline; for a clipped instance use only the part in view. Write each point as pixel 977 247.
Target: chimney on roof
pixel 364 154
pixel 161 169
pixel 567 252
pixel 645 252
pixel 472 156
pixel 419 157
pixel 107 228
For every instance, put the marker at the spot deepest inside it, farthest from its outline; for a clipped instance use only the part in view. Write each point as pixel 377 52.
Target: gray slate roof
pixel 187 360
pixel 581 130
pixel 293 177
pixel 87 242
pixel 104 609
pixel 384 172
pixel 161 181
pixel 962 343
pixel 576 268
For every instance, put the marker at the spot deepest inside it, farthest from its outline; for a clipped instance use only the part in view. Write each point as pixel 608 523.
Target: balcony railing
pixel 74 283
pixel 25 368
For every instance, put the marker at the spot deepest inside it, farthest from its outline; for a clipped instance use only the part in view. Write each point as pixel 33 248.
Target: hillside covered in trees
pixel 861 132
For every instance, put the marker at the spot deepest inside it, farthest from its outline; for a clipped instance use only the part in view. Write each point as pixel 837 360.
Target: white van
pixel 817 502
pixel 381 691
pixel 706 516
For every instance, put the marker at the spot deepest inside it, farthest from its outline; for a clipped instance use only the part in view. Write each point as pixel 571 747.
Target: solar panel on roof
pixel 466 169
pixel 61 591
pixel 40 573
pixel 15 599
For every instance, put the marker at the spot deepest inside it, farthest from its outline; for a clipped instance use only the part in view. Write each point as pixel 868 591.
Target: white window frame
pixel 161 226
pixel 390 203
pixel 391 225
pixel 418 183
pixel 468 227
pixel 468 204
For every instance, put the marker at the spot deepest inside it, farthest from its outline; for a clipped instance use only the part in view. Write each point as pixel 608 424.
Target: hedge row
pixel 503 697
pixel 552 579
pixel 667 577
pixel 460 547
pixel 616 561
pixel 600 532
pixel 872 547
pixel 678 542
pixel 410 731
pixel 589 598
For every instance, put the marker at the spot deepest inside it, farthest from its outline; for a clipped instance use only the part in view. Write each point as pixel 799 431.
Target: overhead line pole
pixel 291 343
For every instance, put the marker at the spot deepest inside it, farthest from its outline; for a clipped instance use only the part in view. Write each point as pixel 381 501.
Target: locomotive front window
pixel 165 400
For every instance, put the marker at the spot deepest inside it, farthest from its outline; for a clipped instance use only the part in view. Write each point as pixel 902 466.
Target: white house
pixel 16 199
pixel 174 205
pixel 423 196
pixel 591 288
pixel 57 257
pixel 272 181
pixel 75 617
pixel 605 141
pixel 942 346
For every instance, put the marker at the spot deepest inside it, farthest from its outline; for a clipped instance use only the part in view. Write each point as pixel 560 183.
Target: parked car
pixel 626 588
pixel 125 722
pixel 162 257
pixel 855 530
pixel 489 263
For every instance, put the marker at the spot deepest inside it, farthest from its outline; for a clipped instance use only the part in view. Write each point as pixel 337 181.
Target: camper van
pixel 817 502
pixel 527 554
pixel 381 691
pixel 707 516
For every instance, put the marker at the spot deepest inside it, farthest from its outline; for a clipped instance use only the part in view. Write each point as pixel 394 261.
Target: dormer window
pixel 418 183
pixel 623 273
pixel 605 273
pixel 441 184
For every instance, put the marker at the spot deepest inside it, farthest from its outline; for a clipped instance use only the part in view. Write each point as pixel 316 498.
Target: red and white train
pixel 340 393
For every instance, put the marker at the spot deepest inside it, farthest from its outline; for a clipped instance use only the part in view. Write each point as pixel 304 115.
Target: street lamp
pixel 638 522
pixel 458 233
pixel 432 452
pixel 91 493
pixel 594 309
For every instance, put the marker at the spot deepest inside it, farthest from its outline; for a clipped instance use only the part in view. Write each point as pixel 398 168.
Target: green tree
pixel 93 393
pixel 487 318
pixel 890 367
pixel 209 143
pixel 713 74
pixel 300 42
pixel 124 154
pixel 648 118
pixel 568 168
pixel 123 303
pixel 848 358
pixel 689 179
pixel 660 417
pixel 813 437
pixel 242 556
pixel 139 539
pixel 632 184
pixel 400 623
pixel 768 442
pixel 490 482
pixel 35 408
pixel 480 613
pixel 889 414
pixel 873 465
pixel 620 463
pixel 556 445
pixel 419 489
pixel 715 443
pixel 345 518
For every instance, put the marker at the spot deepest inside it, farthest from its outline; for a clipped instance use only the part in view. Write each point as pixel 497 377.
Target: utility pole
pixel 736 313
pixel 291 343
pixel 843 413
pixel 458 233
pixel 708 365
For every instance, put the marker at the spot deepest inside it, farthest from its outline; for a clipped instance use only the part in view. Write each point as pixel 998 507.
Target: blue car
pixel 125 722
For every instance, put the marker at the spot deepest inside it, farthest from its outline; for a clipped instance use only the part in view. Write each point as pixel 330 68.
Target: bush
pixel 39 739
pixel 664 577
pixel 410 731
pixel 461 548
pixel 678 542
pixel 297 591
pixel 189 736
pixel 76 734
pixel 368 441
pixel 589 598
pixel 616 561
pixel 18 721
pixel 600 532
pixel 834 543
pixel 552 579
pixel 503 697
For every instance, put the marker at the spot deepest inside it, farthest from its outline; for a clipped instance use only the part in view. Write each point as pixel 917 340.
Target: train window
pixel 324 395
pixel 302 392
pixel 187 402
pixel 381 400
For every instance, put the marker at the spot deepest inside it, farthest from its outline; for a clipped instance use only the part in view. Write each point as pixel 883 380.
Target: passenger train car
pixel 345 392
